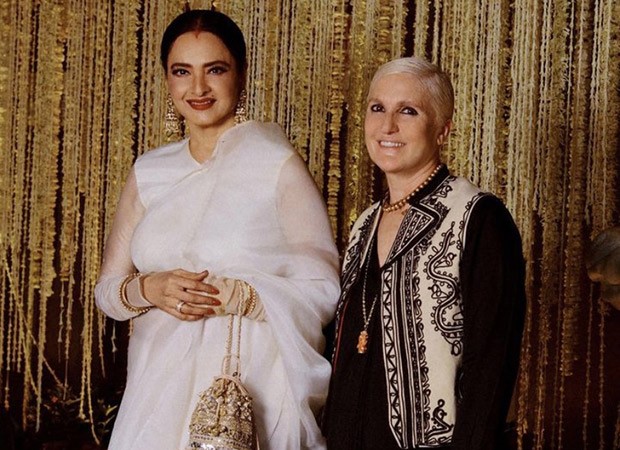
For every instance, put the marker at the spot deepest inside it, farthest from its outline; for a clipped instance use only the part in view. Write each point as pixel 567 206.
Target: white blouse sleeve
pixel 302 300
pixel 117 262
pixel 305 224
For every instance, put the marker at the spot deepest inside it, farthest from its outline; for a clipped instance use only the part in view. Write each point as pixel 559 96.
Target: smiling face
pixel 203 81
pixel 403 135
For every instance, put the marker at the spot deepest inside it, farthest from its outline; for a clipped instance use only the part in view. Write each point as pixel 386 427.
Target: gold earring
pixel 173 124
pixel 240 110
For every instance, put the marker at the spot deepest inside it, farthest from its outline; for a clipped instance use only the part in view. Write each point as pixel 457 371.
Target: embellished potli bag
pixel 224 418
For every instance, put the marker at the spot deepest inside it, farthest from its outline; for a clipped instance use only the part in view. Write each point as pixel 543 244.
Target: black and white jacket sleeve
pixel 492 282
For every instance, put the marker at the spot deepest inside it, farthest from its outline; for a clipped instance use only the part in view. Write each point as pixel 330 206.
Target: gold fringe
pixel 537 89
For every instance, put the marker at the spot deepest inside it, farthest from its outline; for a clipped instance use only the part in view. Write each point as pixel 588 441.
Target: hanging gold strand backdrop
pixel 537 88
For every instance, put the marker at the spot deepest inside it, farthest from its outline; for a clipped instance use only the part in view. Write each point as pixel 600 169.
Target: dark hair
pixel 212 22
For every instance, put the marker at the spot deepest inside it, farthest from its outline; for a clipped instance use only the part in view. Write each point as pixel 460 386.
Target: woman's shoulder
pixel 263 137
pixel 365 219
pixel 160 167
pixel 270 131
pixel 165 152
pixel 482 199
pixel 464 186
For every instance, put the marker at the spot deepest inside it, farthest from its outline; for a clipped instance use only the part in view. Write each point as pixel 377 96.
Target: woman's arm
pixel 163 289
pixel 305 224
pixel 301 299
pixel 117 263
pixel 492 283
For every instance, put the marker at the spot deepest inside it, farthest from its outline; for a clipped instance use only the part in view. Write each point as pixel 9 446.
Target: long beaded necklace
pixel 362 339
pixel 390 207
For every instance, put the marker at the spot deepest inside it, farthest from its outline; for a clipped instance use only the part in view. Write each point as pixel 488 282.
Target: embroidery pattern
pixel 395 396
pixel 447 313
pixel 353 257
pixel 406 310
pixel 415 224
pixel 412 370
pixel 415 364
pixel 426 251
pixel 440 431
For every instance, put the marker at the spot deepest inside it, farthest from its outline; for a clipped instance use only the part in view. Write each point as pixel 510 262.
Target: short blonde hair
pixel 436 81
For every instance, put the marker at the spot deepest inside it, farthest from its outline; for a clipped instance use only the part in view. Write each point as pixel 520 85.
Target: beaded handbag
pixel 223 418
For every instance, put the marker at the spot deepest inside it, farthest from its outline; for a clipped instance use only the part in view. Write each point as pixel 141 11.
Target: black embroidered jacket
pixel 449 320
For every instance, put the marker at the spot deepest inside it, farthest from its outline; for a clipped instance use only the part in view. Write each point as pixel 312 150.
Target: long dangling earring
pixel 240 110
pixel 173 124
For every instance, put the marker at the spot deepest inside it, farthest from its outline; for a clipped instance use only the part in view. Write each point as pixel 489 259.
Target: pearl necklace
pixel 390 207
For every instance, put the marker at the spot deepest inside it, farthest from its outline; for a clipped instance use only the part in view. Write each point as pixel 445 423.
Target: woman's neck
pixel 400 185
pixel 202 140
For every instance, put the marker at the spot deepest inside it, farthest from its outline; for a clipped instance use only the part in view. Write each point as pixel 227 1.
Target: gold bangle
pixel 243 296
pixel 251 301
pixel 139 310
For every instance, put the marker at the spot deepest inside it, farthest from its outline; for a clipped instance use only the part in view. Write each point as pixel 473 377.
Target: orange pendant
pixel 362 342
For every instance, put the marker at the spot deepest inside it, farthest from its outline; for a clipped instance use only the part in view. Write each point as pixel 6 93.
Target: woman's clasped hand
pixel 181 293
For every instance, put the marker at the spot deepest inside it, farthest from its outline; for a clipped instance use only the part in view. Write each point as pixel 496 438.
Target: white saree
pixel 251 212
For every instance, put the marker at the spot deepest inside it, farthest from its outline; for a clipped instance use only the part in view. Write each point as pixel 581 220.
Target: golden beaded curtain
pixel 537 104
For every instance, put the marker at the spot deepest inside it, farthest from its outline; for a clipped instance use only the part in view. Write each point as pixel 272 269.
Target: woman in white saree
pixel 228 216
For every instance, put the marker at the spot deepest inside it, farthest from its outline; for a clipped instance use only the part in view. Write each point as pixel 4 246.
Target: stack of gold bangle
pixel 139 310
pixel 250 303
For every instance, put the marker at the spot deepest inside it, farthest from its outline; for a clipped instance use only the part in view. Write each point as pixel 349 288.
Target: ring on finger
pixel 179 306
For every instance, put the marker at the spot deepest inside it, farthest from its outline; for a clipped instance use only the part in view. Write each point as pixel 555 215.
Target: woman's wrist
pixel 130 295
pixel 250 305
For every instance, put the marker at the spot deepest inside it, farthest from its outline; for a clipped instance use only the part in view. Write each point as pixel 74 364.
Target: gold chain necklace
pixel 390 207
pixel 362 339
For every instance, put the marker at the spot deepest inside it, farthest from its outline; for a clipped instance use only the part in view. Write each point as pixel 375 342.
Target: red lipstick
pixel 201 104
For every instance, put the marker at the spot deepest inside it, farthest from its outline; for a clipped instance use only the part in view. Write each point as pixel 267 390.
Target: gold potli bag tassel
pixel 224 418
